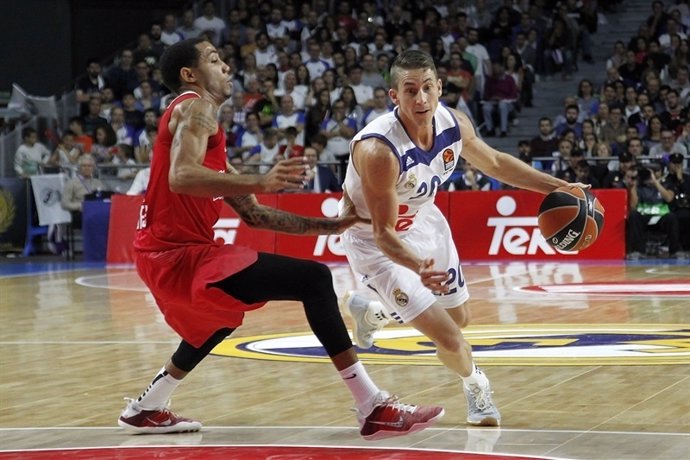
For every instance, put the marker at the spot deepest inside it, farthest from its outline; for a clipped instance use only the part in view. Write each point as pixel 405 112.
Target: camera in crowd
pixel 644 174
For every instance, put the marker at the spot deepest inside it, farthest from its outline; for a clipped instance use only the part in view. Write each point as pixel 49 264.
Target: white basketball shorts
pixel 399 288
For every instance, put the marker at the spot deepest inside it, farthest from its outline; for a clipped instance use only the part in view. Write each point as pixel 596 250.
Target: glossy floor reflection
pixel 587 361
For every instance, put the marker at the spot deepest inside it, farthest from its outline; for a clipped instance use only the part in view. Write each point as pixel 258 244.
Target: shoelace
pixel 393 401
pixel 482 398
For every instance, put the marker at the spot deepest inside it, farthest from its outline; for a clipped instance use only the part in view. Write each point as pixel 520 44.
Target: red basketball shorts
pixel 179 280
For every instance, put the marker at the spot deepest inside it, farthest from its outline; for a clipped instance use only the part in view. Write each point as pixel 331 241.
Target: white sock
pixel 363 389
pixel 158 393
pixel 477 377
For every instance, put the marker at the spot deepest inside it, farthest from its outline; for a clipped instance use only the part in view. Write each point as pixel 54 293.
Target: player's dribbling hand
pixel 433 279
pixel 285 175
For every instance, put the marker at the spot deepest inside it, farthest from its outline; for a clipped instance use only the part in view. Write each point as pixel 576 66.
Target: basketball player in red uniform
pixel 203 288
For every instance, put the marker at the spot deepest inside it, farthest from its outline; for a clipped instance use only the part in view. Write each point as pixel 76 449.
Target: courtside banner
pixel 124 214
pixel 324 248
pixel 503 224
pixel 229 229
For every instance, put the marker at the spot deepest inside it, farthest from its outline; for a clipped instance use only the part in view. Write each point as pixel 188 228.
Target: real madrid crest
pixel 411 183
pixel 400 297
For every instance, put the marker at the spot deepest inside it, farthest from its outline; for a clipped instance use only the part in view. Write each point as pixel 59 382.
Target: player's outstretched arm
pixel 257 215
pixel 502 166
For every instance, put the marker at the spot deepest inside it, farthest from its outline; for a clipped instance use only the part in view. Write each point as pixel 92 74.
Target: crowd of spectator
pixel 632 131
pixel 322 68
pixel 308 75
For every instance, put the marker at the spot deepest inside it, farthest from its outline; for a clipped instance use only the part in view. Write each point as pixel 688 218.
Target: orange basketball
pixel 571 218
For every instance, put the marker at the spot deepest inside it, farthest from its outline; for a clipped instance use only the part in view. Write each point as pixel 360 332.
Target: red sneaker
pixel 157 421
pixel 392 418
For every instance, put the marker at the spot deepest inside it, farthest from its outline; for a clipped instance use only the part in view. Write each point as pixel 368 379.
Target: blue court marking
pixel 8 270
pixel 653 261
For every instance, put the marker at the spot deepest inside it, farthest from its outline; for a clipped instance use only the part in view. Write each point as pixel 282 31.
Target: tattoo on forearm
pixel 259 216
pixel 286 222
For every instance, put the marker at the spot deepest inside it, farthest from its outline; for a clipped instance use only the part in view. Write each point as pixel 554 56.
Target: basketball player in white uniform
pixel 407 255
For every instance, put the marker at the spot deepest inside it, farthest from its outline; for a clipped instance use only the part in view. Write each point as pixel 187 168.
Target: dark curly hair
pixel 182 54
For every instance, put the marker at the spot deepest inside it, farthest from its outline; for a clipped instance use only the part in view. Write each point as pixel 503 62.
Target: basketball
pixel 571 218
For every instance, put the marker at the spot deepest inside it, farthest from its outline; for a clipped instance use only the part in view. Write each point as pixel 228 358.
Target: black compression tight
pixel 186 357
pixel 276 277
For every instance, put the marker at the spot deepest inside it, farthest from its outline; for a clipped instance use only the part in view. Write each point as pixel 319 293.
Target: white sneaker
pixel 481 410
pixel 368 317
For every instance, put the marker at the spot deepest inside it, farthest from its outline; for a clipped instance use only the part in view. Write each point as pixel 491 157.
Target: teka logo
pixel 226 230
pixel 329 208
pixel 517 235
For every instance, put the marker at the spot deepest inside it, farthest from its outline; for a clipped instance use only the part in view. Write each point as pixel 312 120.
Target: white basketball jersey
pixel 421 171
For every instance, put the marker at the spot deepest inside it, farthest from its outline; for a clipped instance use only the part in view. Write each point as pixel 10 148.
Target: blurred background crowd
pixel 307 75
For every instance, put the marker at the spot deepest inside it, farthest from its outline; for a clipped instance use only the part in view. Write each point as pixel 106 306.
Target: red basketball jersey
pixel 169 220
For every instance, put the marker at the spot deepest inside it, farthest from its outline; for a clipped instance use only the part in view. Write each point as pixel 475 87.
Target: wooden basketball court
pixel 587 361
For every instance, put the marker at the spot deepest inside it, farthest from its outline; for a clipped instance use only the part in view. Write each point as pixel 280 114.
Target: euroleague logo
pixel 500 345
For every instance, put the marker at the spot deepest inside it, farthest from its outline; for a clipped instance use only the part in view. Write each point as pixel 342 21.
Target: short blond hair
pixel 86 158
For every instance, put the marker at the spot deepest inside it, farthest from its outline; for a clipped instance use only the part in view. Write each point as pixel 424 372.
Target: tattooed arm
pixel 257 215
pixel 193 121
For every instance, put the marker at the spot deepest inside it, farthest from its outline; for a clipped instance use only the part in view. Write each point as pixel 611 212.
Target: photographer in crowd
pixel 649 201
pixel 678 182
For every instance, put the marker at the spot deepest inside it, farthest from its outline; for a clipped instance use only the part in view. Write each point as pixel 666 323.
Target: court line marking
pixel 47 272
pixel 88 342
pixel 550 388
pixel 514 329
pixel 325 447
pixel 578 434
pixel 89 280
pixel 655 270
pixel 586 432
pixel 63 267
pixel 332 427
pixel 526 296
